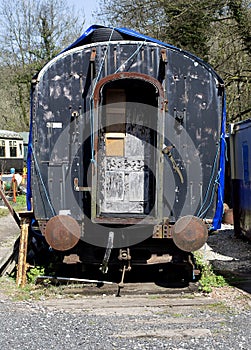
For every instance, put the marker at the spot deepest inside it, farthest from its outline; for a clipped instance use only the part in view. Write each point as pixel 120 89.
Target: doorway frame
pixel 127 220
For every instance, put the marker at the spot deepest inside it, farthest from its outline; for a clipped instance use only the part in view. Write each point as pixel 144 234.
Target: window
pixel 20 149
pixel 2 148
pixel 13 148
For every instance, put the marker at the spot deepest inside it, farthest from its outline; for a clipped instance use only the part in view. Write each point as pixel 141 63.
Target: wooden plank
pixel 115 147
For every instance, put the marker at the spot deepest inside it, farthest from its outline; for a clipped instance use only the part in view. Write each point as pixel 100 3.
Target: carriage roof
pixel 7 134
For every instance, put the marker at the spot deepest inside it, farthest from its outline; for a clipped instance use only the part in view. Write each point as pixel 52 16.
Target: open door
pixel 126 149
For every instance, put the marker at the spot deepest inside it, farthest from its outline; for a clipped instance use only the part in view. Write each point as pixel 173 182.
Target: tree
pixel 189 24
pixel 218 31
pixel 32 32
pixel 9 106
pixel 241 14
pixel 145 16
pixel 230 55
pixel 183 24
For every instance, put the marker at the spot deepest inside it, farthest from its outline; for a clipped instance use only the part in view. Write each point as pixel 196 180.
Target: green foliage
pixel 183 24
pixel 34 272
pixel 32 32
pixel 208 279
pixel 240 14
pixel 20 204
pixel 189 24
pixel 216 31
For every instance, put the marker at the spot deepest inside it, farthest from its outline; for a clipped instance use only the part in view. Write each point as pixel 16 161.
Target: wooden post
pixel 14 189
pixel 22 265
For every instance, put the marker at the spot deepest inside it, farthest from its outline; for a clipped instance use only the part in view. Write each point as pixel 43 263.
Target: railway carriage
pixel 240 144
pixel 126 152
pixel 11 151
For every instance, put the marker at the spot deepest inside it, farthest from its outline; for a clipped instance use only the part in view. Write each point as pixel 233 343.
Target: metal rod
pixel 70 279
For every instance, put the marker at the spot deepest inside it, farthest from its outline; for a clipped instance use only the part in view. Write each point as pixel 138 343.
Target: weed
pixel 208 278
pixel 34 272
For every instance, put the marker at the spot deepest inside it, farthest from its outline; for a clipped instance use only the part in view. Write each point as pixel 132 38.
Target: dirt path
pixel 9 232
pixel 8 229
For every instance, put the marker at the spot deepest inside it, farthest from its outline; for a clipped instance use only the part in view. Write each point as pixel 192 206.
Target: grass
pixel 177 315
pixel 20 205
pixel 29 292
pixel 218 307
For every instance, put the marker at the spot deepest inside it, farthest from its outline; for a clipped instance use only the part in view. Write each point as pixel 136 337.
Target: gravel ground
pixel 220 320
pixel 230 256
pixel 228 252
pixel 33 326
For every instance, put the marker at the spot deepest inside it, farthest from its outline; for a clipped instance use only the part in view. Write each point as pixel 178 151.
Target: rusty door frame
pixel 160 142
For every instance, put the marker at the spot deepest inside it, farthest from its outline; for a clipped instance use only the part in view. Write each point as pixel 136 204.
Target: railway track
pixel 228 254
pixel 145 317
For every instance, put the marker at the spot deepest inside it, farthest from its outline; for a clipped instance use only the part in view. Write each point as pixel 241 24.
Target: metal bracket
pixel 162 65
pixel 163 55
pixel 163 230
pixel 125 257
pixel 93 54
pixel 78 188
pixel 167 150
pixel 104 266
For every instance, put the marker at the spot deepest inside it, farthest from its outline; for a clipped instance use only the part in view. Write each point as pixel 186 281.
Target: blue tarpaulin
pixel 132 34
